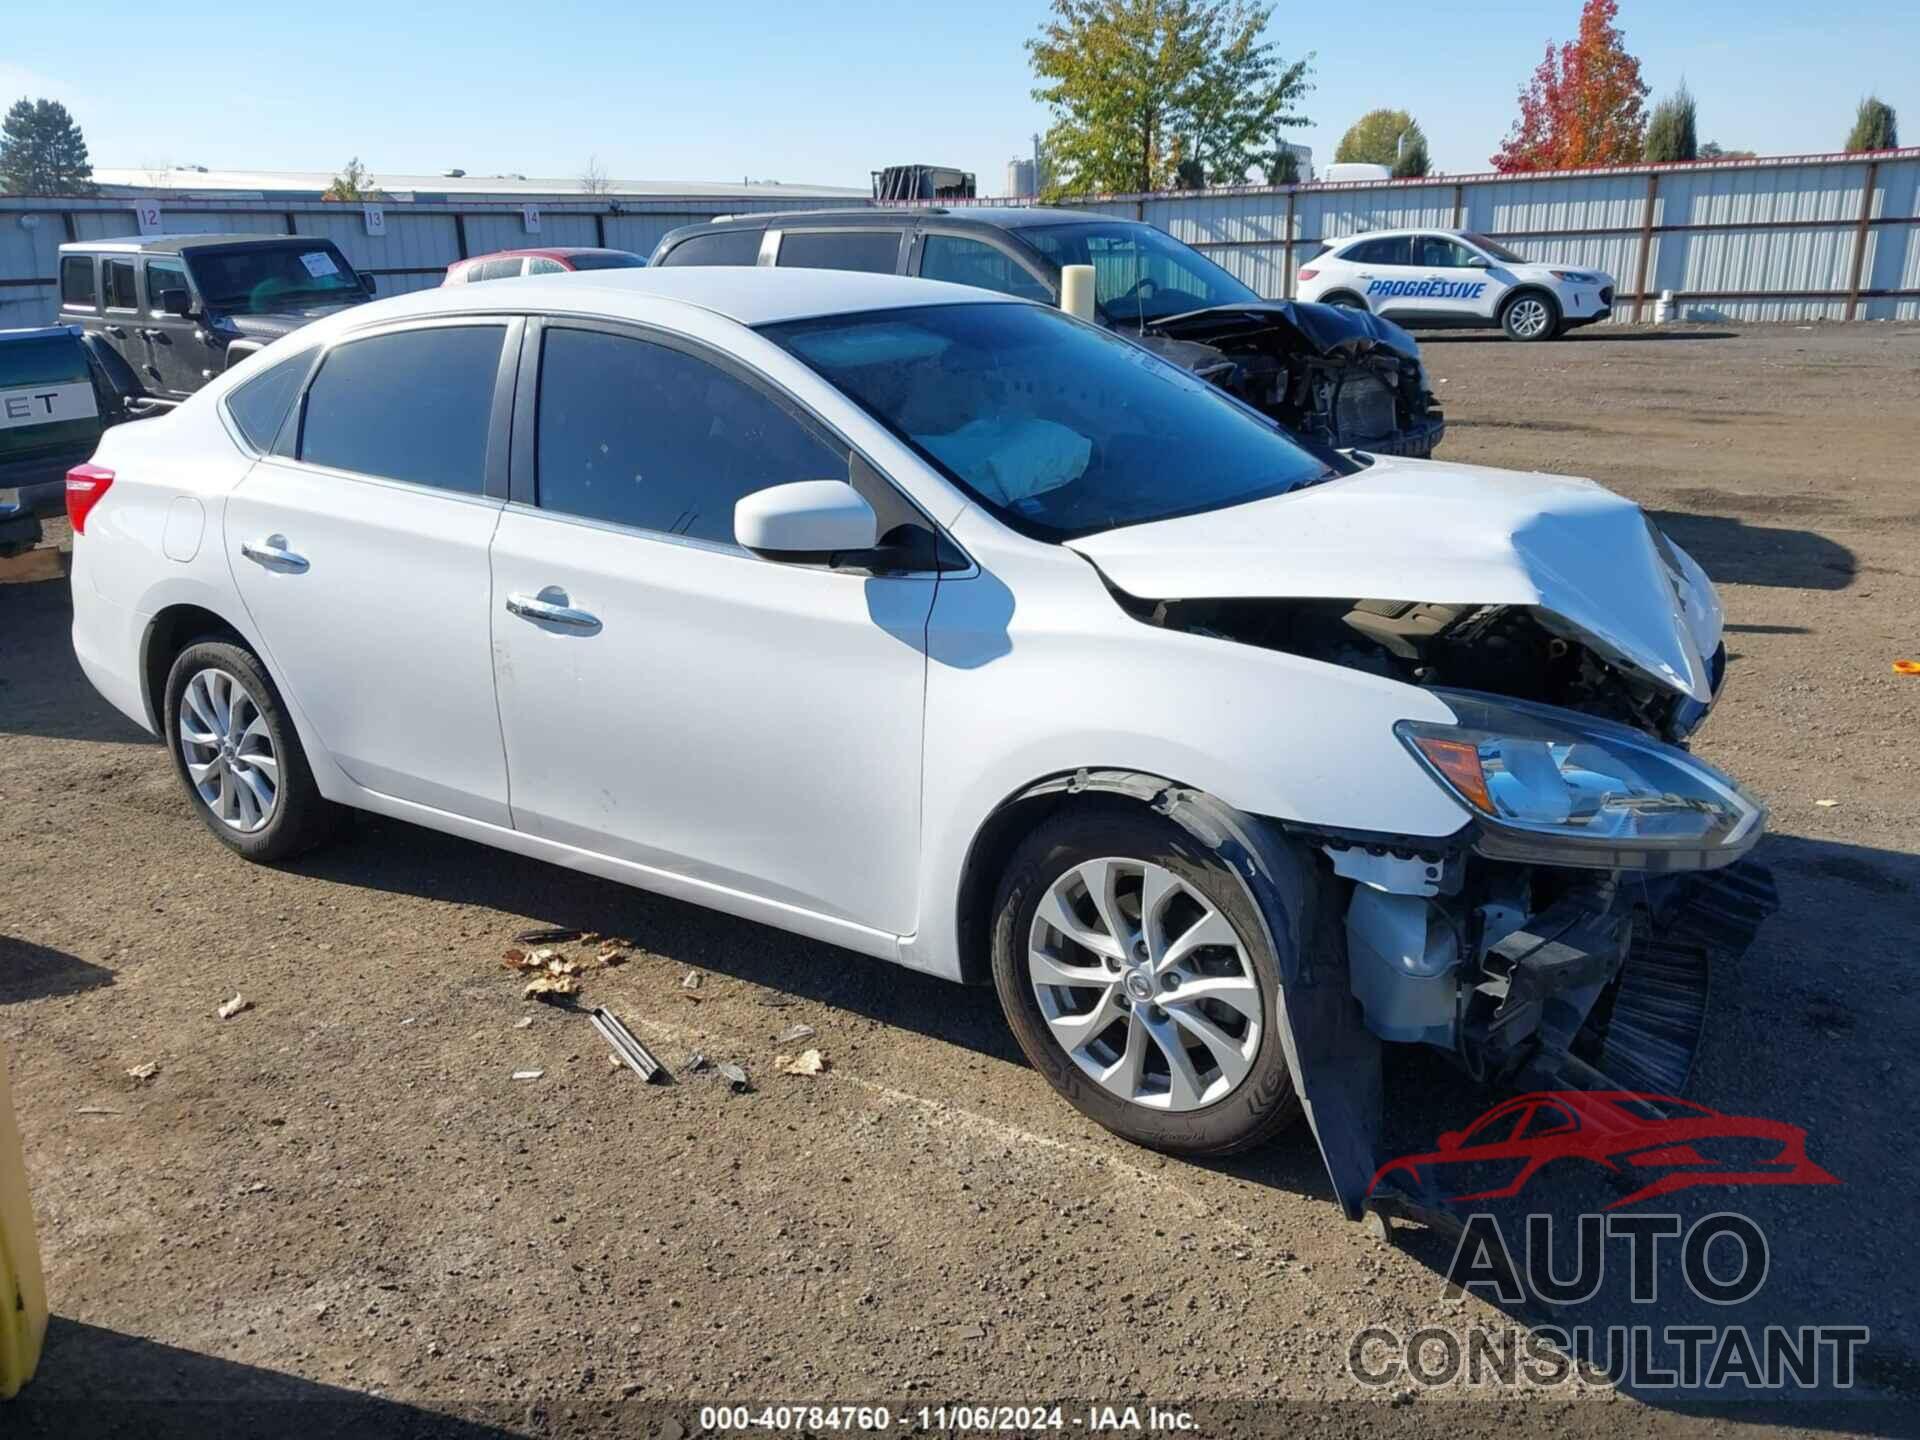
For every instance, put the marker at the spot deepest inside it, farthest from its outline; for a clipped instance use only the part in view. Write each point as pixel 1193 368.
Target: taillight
pixel 1308 274
pixel 85 485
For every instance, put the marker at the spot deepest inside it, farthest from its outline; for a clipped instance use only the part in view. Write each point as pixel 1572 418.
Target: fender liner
pixel 1333 1058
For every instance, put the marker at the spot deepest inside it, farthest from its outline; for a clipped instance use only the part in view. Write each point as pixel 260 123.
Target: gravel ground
pixel 337 1212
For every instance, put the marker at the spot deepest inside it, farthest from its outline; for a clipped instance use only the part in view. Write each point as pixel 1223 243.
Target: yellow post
pixel 23 1290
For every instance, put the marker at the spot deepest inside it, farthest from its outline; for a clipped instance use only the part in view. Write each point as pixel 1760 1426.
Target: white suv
pixel 1436 278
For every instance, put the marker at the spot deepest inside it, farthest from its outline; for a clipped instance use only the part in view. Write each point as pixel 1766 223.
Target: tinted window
pixel 1059 428
pixel 876 251
pixel 608 260
pixel 259 406
pixel 76 280
pixel 1139 273
pixel 43 360
pixel 163 275
pixel 1393 251
pixel 962 261
pixel 411 406
pixel 117 279
pixel 1436 252
pixel 643 435
pixel 722 247
pixel 271 277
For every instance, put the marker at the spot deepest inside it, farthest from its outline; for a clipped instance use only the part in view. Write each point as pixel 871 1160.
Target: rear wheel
pixel 1139 980
pixel 1530 316
pixel 1346 300
pixel 238 756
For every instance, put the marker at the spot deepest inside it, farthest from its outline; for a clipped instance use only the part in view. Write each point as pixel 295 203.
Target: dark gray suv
pixel 177 310
pixel 1340 378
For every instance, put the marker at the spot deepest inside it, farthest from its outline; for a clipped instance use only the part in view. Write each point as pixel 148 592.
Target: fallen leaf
pixel 807 1062
pixel 514 959
pixel 233 1007
pixel 528 1074
pixel 144 1072
pixel 544 985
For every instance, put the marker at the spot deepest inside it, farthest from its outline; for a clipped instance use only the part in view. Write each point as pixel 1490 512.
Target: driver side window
pixel 1436 252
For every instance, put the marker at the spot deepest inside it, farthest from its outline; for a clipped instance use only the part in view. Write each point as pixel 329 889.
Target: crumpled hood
pixel 272 324
pixel 1589 561
pixel 1323 329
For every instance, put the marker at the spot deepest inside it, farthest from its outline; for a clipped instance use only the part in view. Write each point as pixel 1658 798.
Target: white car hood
pixel 1589 561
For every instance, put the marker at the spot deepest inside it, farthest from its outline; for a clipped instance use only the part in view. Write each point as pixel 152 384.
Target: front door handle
pixel 153 334
pixel 116 331
pixel 533 607
pixel 273 553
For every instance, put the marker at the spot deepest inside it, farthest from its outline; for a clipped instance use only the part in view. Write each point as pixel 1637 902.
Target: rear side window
pixel 259 406
pixel 497 269
pixel 117 280
pixel 644 435
pixel 76 281
pixel 722 247
pixel 541 265
pixel 874 251
pixel 415 406
pixel 962 261
pixel 1397 250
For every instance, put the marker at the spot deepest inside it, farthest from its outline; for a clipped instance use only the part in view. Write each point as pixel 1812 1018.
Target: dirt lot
pixel 340 1202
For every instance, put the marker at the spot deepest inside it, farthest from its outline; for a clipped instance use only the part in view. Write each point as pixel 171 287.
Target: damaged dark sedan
pixel 1338 378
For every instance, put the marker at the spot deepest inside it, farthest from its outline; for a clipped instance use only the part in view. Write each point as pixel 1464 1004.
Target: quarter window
pixel 961 261
pixel 76 282
pixel 117 280
pixel 261 405
pixel 640 434
pixel 416 405
pixel 874 251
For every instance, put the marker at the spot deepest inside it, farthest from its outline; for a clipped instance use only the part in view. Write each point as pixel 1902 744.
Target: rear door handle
pixel 532 607
pixel 115 331
pixel 153 334
pixel 273 553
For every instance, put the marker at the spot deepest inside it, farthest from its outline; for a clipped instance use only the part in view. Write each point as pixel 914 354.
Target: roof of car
pixel 551 252
pixel 750 295
pixel 1004 217
pixel 1403 230
pixel 176 244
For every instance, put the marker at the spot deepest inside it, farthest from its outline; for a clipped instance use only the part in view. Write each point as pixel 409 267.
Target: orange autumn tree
pixel 1583 105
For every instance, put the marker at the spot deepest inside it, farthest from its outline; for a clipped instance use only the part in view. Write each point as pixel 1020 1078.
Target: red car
pixel 1675 1144
pixel 552 260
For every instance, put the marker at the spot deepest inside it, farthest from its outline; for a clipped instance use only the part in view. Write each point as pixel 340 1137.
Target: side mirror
pixel 1450 1140
pixel 1479 262
pixel 805 518
pixel 176 302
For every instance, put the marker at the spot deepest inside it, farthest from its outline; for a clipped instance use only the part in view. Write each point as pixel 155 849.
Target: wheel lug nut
pixel 1170 981
pixel 1140 950
pixel 1158 1013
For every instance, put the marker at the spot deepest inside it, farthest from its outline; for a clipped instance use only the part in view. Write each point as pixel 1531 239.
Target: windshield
pixel 604 260
pixel 1493 248
pixel 274 277
pixel 1139 273
pixel 1060 429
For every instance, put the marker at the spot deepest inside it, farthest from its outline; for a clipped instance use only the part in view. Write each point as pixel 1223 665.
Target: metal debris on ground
pixel 807 1062
pixel 523 1023
pixel 547 935
pixel 736 1078
pixel 690 980
pixel 528 1074
pixel 797 1032
pixel 143 1072
pixel 779 1002
pixel 627 1050
pixel 95 1110
pixel 696 1062
pixel 233 1007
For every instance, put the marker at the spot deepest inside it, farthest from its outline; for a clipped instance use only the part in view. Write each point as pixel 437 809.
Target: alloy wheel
pixel 1529 318
pixel 1145 985
pixel 228 751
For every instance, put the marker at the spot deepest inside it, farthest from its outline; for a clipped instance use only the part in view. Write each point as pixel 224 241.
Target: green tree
pixel 42 151
pixel 1673 132
pixel 1139 86
pixel 1714 150
pixel 1873 126
pixel 1386 137
pixel 353 183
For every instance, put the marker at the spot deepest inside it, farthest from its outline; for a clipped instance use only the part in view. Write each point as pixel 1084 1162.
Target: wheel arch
pixel 1533 288
pixel 1344 296
pixel 171 630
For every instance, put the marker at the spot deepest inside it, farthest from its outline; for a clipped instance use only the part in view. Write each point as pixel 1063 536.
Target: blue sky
pixel 823 93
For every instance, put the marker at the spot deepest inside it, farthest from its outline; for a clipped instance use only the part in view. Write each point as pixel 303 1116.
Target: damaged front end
pixel 1342 377
pixel 1562 937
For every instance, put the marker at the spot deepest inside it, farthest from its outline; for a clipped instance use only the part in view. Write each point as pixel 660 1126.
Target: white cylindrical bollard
pixel 1076 290
pixel 1663 308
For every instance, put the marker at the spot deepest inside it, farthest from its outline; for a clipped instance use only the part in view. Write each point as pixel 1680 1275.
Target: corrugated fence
pixel 1832 237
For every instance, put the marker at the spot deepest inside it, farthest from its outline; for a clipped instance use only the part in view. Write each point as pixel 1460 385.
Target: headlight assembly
pixel 1554 787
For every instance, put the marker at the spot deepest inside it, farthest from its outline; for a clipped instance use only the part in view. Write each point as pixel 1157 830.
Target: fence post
pixel 1646 245
pixel 1459 204
pixel 460 234
pixel 600 229
pixel 1286 281
pixel 1860 239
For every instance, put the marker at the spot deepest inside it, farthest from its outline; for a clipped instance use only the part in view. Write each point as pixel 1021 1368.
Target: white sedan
pixel 949 629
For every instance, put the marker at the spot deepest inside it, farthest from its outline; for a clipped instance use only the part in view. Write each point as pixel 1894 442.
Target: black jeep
pixel 164 314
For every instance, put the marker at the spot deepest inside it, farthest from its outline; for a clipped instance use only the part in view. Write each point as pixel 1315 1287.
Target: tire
pixel 1530 317
pixel 238 753
pixel 1141 1103
pixel 1346 300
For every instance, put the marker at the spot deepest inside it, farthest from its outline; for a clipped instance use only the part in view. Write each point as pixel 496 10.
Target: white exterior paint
pixel 813 749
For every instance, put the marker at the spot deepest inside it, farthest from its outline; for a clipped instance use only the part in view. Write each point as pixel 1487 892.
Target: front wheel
pixel 1139 980
pixel 1530 317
